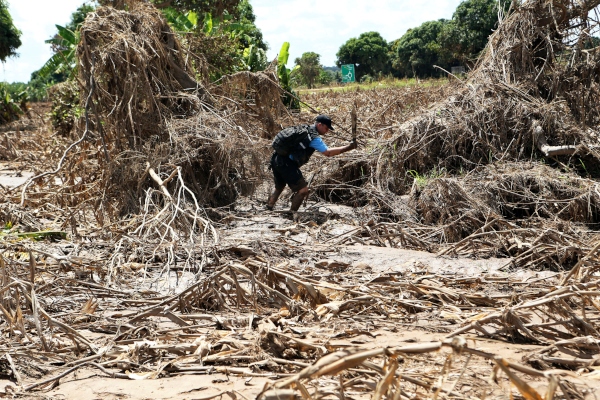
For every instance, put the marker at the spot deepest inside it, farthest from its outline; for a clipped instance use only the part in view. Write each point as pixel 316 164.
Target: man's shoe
pixel 269 207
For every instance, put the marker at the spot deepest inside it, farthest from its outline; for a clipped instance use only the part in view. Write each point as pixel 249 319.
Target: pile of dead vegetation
pixel 380 110
pixel 537 102
pixel 313 330
pixel 531 95
pixel 149 106
pixel 150 110
pixel 537 215
pixel 158 143
pixel 527 111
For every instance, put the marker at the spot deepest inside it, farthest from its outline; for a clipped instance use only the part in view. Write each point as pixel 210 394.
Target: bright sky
pixel 321 26
pixel 36 20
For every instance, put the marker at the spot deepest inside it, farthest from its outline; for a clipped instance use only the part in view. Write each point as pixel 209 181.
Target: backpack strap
pixel 312 132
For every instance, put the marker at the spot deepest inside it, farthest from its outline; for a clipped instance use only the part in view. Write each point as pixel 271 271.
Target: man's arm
pixel 339 150
pixel 320 146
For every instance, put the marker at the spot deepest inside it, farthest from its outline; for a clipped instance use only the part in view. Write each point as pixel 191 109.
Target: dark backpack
pixel 289 138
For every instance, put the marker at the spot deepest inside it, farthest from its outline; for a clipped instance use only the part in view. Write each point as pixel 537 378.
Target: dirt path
pixel 12 177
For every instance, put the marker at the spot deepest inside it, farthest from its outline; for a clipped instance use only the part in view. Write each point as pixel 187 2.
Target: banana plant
pixel 290 99
pixel 181 22
pixel 188 22
pixel 208 24
pixel 10 109
pixel 255 58
pixel 65 45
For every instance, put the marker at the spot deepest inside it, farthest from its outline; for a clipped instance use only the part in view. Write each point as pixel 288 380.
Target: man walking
pixel 293 148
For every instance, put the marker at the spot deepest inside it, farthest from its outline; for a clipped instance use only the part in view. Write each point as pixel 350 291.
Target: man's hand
pixel 339 150
pixel 353 145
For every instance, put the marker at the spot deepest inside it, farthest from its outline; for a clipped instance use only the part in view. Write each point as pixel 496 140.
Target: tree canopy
pixel 230 44
pixel 217 8
pixel 369 53
pixel 418 49
pixel 248 19
pixel 309 67
pixel 78 16
pixel 447 42
pixel 10 36
pixel 466 35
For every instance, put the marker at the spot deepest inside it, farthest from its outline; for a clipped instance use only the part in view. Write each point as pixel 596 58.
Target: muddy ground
pixel 328 281
pixel 360 264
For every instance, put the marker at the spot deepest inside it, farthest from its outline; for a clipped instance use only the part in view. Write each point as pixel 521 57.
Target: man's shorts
pixel 286 172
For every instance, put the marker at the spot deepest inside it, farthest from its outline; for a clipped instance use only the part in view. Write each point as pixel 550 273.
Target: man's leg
pixel 288 172
pixel 279 180
pixel 273 198
pixel 299 198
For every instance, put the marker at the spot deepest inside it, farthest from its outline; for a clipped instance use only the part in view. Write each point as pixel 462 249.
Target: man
pixel 286 164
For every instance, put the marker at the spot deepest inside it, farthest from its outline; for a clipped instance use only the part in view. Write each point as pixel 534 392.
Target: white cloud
pixel 321 26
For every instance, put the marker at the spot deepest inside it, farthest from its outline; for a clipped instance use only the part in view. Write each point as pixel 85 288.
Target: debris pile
pixel 465 172
pixel 312 330
pixel 159 144
pixel 532 94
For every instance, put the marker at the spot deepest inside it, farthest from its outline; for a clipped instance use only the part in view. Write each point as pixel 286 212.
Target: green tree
pixel 249 38
pixel 591 42
pixel 326 77
pixel 79 15
pixel 394 62
pixel 309 67
pixel 10 36
pixel 231 43
pixel 217 8
pixel 248 19
pixel 369 53
pixel 418 50
pixel 466 35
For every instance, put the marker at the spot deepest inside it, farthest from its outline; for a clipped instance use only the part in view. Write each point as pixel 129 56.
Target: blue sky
pixel 321 26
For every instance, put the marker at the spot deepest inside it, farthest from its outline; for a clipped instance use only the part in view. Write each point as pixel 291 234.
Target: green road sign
pixel 348 73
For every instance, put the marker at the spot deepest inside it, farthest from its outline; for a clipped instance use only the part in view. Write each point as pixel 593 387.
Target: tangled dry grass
pixel 529 100
pixel 245 316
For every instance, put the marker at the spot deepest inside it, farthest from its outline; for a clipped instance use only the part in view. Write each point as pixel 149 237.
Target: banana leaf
pixel 40 235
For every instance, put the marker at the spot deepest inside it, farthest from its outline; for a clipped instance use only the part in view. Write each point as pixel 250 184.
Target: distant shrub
pixel 12 105
pixel 65 106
